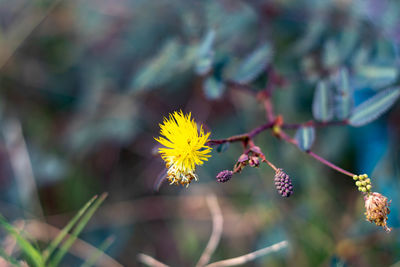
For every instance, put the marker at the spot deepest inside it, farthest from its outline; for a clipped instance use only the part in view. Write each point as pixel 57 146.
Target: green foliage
pixel 45 257
pixel 31 252
pixel 54 261
pixel 161 68
pixel 305 137
pixel 343 95
pixel 213 88
pixel 91 261
pixel 374 107
pixel 322 106
pixel 64 232
pixel 205 54
pixel 254 64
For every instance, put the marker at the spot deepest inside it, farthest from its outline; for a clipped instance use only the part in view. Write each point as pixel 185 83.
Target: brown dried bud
pixel 377 209
pixel 224 176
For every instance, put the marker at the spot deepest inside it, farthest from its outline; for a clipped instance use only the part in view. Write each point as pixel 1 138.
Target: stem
pixel 260 129
pixel 314 123
pixel 268 110
pixel 329 164
pixel 270 164
pixel 241 137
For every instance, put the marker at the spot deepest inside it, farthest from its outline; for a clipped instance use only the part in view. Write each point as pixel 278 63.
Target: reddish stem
pixel 329 164
pixel 241 137
pixel 314 124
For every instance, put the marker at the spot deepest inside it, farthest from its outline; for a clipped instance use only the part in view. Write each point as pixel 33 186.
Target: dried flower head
pixel 377 209
pixel 185 147
pixel 224 176
pixel 283 183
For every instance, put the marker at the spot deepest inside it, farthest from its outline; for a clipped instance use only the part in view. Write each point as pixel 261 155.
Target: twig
pixel 314 124
pixel 150 261
pixel 249 257
pixel 215 237
pixel 242 137
pixel 329 164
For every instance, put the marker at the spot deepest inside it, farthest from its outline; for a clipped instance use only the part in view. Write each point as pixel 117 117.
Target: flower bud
pixel 283 183
pixel 254 161
pixel 224 176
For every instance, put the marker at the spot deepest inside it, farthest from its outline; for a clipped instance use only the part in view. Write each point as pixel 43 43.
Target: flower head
pixel 224 176
pixel 283 183
pixel 185 147
pixel 377 209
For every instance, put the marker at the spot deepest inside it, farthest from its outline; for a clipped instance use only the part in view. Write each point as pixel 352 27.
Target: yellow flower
pixel 184 147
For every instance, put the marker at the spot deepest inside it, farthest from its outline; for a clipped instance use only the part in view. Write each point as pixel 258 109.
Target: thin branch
pixel 242 137
pixel 314 124
pixel 329 164
pixel 150 261
pixel 215 237
pixel 249 257
pixel 269 113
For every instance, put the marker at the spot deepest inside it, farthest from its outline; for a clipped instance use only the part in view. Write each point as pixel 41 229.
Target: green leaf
pixel 24 244
pixel 305 137
pixel 63 233
pixel 160 69
pixel 103 247
pixel 375 75
pixel 213 88
pixel 322 107
pixel 331 56
pixel 205 54
pixel 344 102
pixel 223 147
pixel 254 64
pixel 372 108
pixel 78 229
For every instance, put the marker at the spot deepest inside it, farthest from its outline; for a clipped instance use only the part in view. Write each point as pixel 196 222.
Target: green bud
pixel 355 177
pixel 358 183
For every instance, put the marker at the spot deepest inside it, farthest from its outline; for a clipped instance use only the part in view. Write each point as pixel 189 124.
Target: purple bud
pixel 254 161
pixel 224 176
pixel 283 183
pixel 256 150
pixel 243 158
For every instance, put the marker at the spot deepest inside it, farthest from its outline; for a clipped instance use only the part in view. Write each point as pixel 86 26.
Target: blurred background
pixel 84 85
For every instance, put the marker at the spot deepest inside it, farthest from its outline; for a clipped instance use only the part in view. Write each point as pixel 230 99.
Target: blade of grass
pixel 78 229
pixel 56 241
pixel 8 258
pixel 24 244
pixel 95 256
